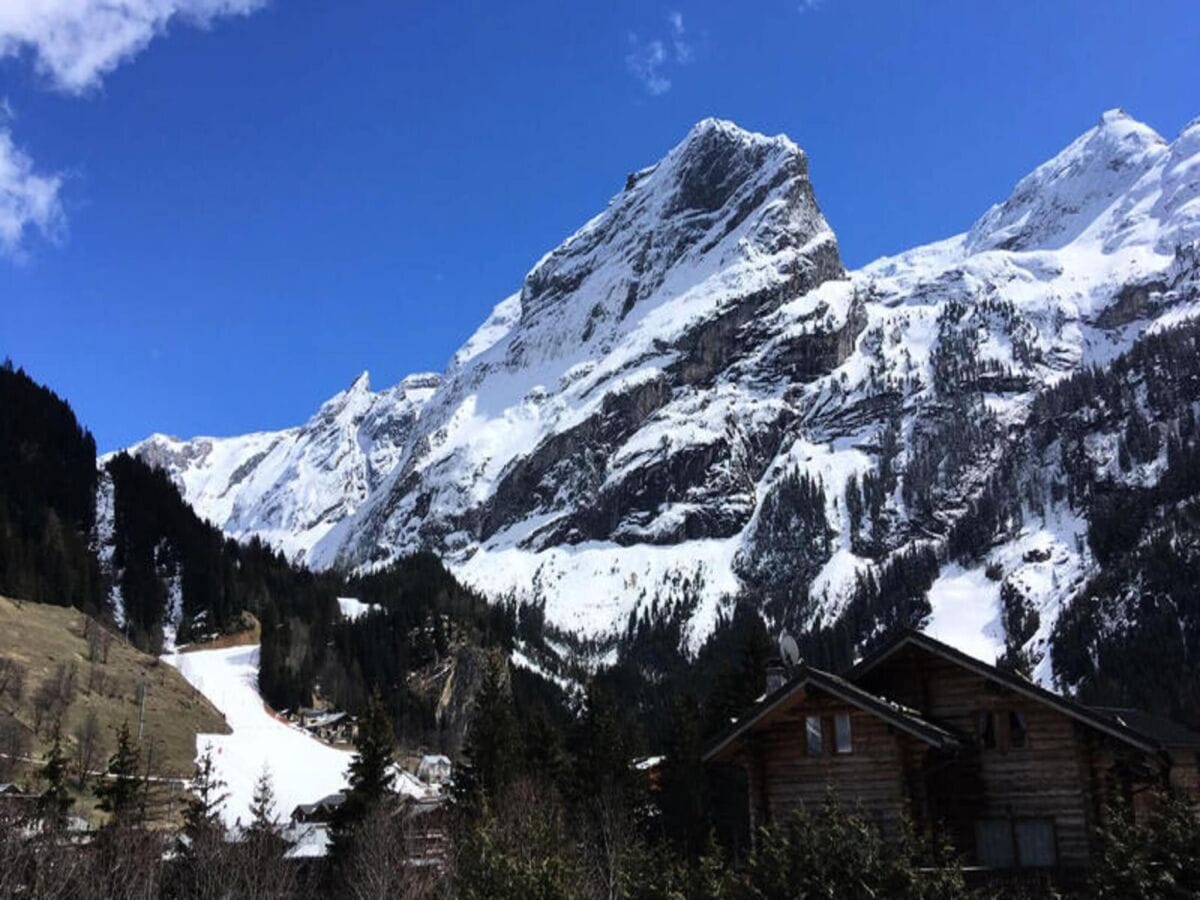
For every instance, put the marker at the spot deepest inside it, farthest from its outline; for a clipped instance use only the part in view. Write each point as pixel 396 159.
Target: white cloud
pixel 809 5
pixel 647 60
pixel 74 44
pixel 683 50
pixel 29 201
pixel 77 42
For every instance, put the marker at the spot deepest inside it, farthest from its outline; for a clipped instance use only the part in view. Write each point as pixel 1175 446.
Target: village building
pixel 328 725
pixel 1017 775
pixel 319 812
pixel 434 769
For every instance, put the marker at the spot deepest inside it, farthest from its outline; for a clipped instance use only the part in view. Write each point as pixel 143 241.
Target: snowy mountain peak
pixel 1058 202
pixel 351 401
pixel 719 196
pixel 691 390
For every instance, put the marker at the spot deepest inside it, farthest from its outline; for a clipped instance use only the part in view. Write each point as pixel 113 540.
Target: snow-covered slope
pixel 289 487
pixel 639 418
pixel 302 768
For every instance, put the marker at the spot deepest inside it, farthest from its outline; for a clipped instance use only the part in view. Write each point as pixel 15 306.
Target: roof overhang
pixel 1008 680
pixel 830 684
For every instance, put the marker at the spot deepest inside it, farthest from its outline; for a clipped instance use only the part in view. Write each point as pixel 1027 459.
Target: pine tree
pixel 264 817
pixel 492 746
pixel 266 873
pixel 370 777
pixel 118 792
pixel 202 817
pixel 56 800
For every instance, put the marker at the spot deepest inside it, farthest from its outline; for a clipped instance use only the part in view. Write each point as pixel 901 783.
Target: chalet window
pixel 841 732
pixel 994 843
pixel 816 745
pixel 1008 843
pixel 1018 735
pixel 1035 842
pixel 987 730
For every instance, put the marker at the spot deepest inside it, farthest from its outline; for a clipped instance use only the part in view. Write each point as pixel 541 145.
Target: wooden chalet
pixel 1017 775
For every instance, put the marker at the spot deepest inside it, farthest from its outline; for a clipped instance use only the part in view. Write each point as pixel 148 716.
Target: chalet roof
pixel 320 720
pixel 327 804
pixel 1115 727
pixel 894 714
pixel 1168 733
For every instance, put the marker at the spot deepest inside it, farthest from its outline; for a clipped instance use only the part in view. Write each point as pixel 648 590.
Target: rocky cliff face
pixel 692 386
pixel 289 487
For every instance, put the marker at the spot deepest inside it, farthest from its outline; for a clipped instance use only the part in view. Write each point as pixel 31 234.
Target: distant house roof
pixel 1106 724
pixel 894 714
pixel 325 804
pixel 406 785
pixel 321 720
pixel 433 767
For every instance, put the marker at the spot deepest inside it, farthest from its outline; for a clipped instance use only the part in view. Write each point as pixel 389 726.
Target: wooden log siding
pixel 915 721
pixel 1049 778
pixel 871 779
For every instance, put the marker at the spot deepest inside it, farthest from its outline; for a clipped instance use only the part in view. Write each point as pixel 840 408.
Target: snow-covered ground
pixel 352 608
pixel 303 769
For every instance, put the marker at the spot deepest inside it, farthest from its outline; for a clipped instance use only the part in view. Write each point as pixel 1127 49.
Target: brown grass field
pixel 49 640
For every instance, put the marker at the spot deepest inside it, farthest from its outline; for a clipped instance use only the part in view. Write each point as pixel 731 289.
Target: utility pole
pixel 141 696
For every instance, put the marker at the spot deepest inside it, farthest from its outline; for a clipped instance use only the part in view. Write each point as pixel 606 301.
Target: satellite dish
pixel 788 649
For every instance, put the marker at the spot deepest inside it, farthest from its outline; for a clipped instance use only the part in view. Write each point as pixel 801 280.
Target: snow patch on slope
pixel 303 768
pixel 966 612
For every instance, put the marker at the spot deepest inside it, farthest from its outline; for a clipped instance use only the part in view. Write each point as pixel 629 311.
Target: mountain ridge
pixel 624 424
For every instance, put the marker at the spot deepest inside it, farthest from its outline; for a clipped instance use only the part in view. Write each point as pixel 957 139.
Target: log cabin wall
pixel 1047 780
pixel 1185 773
pixel 871 778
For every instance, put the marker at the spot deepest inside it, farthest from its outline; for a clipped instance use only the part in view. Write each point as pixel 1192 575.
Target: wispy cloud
pixel 810 5
pixel 683 50
pixel 645 62
pixel 74 44
pixel 649 60
pixel 29 200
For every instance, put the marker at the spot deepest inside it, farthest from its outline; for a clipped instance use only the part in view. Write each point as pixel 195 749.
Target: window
pixel 1035 842
pixel 1007 843
pixel 1017 733
pixel 987 730
pixel 841 732
pixel 994 843
pixel 816 746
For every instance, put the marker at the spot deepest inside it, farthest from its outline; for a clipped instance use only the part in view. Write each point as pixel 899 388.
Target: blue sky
pixel 223 225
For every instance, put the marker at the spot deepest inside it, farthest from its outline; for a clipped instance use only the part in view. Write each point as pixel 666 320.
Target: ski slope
pixel 303 769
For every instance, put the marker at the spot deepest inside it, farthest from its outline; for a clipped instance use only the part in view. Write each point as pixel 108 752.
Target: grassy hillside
pixel 68 674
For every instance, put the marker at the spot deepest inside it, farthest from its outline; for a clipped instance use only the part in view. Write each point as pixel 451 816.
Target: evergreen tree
pixel 55 801
pixel 202 816
pixel 264 817
pixel 370 777
pixel 264 870
pixel 682 795
pixel 1153 859
pixel 118 792
pixel 492 748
